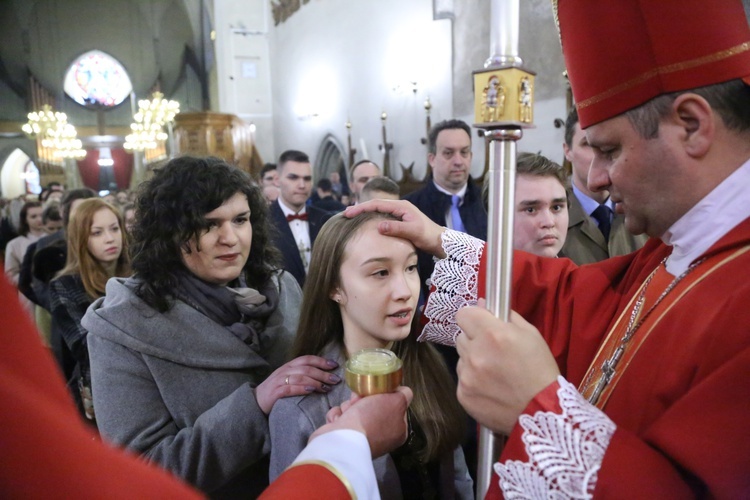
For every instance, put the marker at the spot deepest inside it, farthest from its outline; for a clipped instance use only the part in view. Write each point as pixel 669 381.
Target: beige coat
pixel 585 243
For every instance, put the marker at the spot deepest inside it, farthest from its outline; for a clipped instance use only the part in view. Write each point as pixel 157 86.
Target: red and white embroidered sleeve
pixel 453 286
pixel 557 447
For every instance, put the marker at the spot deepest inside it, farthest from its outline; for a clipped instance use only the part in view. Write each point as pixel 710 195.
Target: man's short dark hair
pixel 570 126
pixel 382 183
pixel 267 168
pixel 445 125
pixel 292 155
pixel 51 212
pixel 730 100
pixel 360 162
pixel 540 166
pixel 531 164
pixel 325 185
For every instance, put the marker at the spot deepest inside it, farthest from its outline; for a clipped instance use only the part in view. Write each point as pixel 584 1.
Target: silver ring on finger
pixel 286 380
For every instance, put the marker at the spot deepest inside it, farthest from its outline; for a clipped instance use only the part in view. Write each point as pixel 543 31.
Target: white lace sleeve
pixel 455 283
pixel 565 451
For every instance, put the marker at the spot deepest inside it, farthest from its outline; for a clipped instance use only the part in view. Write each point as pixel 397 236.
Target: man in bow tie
pixel 297 224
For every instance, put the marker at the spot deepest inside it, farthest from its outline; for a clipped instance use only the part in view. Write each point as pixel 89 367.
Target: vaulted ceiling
pixel 150 38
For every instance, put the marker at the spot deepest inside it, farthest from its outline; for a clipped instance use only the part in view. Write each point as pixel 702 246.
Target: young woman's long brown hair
pixel 79 259
pixel 435 406
pixel 23 228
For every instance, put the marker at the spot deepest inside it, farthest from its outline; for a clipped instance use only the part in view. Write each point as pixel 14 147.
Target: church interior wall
pixel 335 61
pixel 298 82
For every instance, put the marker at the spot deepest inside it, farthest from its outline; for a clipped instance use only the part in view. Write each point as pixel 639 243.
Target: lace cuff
pixel 454 285
pixel 564 447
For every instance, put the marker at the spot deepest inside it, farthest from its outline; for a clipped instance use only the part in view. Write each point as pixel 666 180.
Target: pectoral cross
pixel 608 372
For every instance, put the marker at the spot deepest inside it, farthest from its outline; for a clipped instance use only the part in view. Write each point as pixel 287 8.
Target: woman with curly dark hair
pixel 187 357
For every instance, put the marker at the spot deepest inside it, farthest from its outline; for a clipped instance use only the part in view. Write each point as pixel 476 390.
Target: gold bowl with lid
pixel 373 371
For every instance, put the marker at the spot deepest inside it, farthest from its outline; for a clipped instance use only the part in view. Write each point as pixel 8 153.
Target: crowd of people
pixel 179 321
pixel 204 324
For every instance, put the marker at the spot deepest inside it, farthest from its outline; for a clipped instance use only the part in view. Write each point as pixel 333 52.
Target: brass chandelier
pixel 53 131
pixel 148 125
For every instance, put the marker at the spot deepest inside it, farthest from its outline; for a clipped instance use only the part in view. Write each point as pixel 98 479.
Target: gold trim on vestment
pixel 663 70
pixel 593 368
pixel 649 325
pixel 332 470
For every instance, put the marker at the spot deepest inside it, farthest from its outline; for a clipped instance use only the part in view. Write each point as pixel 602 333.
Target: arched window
pixel 330 159
pixel 96 78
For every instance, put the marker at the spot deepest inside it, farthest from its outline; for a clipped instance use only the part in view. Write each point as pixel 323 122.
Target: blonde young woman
pixel 362 292
pixel 97 251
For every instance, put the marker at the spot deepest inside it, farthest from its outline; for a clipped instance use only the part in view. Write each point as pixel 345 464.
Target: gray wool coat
pixel 294 419
pixel 179 388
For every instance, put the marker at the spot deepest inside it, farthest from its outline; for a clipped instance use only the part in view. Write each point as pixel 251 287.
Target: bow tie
pixel 291 217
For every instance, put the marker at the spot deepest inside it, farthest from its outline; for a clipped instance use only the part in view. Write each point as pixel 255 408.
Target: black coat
pixel 434 204
pixel 285 242
pixel 329 204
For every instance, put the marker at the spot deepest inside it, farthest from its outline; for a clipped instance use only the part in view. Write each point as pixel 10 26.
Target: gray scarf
pixel 242 310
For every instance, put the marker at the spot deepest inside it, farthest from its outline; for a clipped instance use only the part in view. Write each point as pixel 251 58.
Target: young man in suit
pixel 297 224
pixel 326 199
pixel 594 233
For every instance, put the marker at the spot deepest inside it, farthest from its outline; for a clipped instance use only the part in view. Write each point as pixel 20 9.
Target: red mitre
pixel 622 53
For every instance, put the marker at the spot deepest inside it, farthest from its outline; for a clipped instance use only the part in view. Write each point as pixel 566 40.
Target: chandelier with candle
pixel 54 132
pixel 148 125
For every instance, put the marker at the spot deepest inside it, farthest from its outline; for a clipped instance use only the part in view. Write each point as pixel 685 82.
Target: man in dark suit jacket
pixel 297 224
pixel 449 156
pixel 326 200
pixel 586 241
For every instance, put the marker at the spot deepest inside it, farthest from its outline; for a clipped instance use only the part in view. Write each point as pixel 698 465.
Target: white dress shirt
pixel 709 220
pixel 301 232
pixel 461 193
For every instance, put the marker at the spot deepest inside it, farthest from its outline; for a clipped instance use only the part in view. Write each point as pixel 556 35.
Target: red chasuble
pixel 48 452
pixel 675 417
pixel 307 481
pixel 682 403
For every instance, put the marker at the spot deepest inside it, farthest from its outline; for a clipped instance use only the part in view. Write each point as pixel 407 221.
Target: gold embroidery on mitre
pixel 663 70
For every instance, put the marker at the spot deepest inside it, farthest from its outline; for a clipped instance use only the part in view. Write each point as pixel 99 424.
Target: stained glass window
pixel 97 78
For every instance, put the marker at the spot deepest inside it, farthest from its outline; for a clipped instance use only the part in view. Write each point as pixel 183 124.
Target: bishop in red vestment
pixel 629 377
